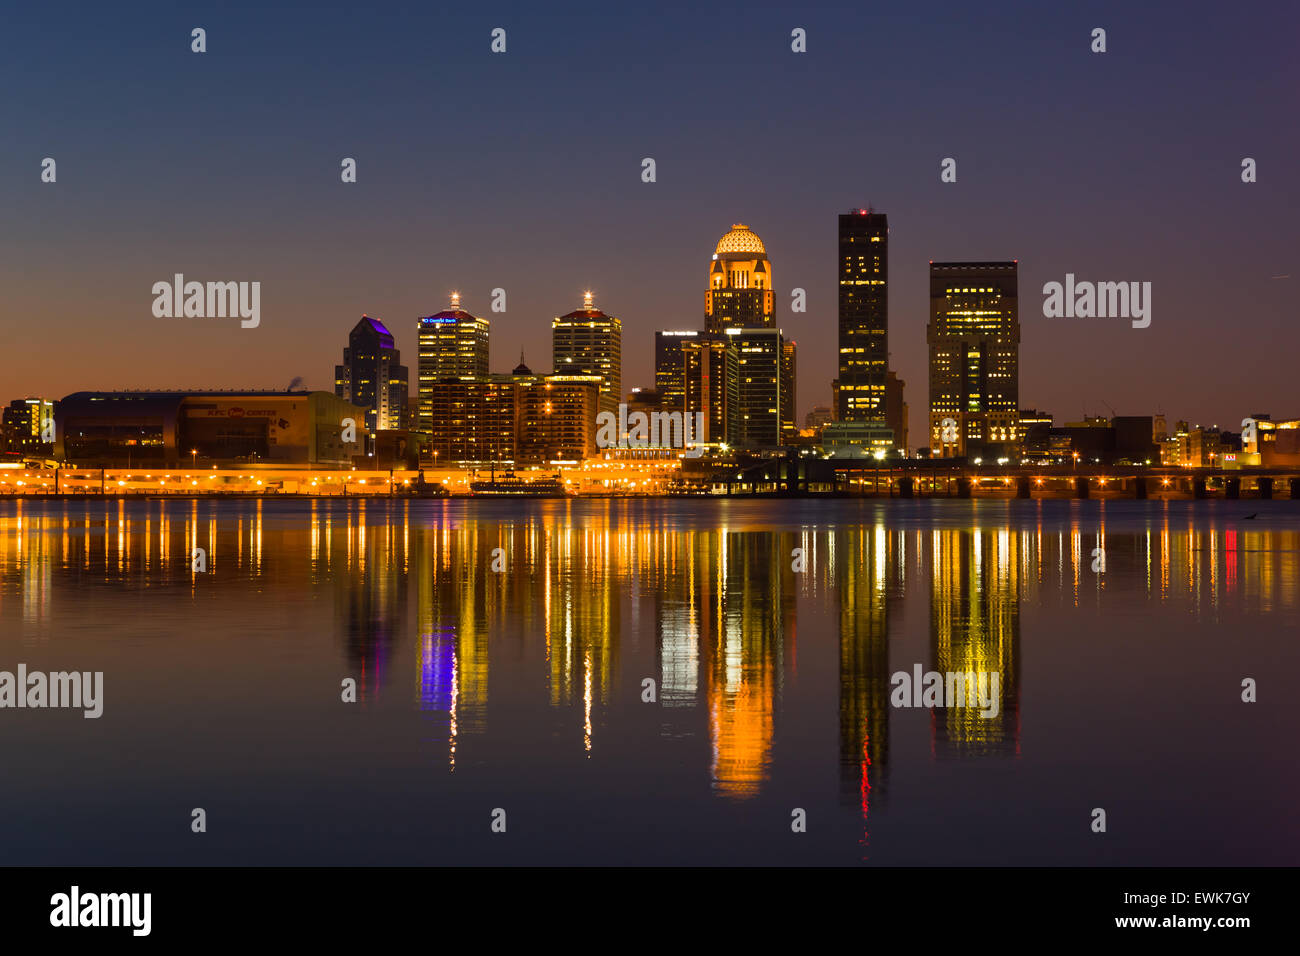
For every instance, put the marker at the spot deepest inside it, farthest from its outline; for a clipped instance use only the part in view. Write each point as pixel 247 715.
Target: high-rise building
pixel 761 360
pixel 476 420
pixel 710 380
pixel 373 377
pixel 452 343
pixel 740 306
pixel 788 393
pixel 740 284
pixel 974 339
pixel 587 341
pixel 669 381
pixel 556 416
pixel 863 324
pixel 27 424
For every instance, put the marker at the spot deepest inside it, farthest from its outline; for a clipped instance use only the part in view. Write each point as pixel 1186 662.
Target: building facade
pixel 670 382
pixel 740 306
pixel 711 383
pixel 589 342
pixel 475 420
pixel 452 343
pixel 175 429
pixel 557 417
pixel 761 358
pixel 740 293
pixel 789 394
pixel 974 353
pixel 28 427
pixel 373 377
pixel 863 319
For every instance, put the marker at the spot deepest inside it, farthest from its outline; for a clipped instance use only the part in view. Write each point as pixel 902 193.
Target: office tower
pixel 740 284
pixel 557 416
pixel 476 420
pixel 452 343
pixel 789 429
pixel 974 339
pixel 740 305
pixel 669 381
pixel 587 341
pixel 710 382
pixel 863 326
pixel 373 377
pixel 760 358
pixel 27 423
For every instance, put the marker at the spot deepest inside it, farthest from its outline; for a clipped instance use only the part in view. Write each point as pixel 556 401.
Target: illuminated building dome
pixel 741 240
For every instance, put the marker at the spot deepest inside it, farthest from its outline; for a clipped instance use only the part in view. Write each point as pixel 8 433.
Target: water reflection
pixel 466 615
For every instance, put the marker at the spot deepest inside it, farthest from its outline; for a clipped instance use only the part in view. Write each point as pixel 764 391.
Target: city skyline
pixel 1099 168
pixel 482 362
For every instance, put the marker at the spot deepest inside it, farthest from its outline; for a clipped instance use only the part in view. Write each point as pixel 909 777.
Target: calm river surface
pixel 1119 686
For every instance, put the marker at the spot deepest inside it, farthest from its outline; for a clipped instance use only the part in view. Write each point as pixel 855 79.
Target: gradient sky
pixel 522 171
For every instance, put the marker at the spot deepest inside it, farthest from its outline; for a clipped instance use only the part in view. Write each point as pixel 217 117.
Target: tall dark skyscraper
pixel 669 370
pixel 863 327
pixel 710 382
pixel 974 340
pixel 761 359
pixel 372 377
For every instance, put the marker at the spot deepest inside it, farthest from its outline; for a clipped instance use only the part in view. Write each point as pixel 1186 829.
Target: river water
pixel 503 654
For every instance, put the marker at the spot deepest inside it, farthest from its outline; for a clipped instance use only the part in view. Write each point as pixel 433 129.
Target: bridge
pixel 936 478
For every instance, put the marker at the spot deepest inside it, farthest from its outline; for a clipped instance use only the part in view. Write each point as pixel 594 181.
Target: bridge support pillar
pixel 1080 487
pixel 1295 488
pixel 1022 486
pixel 1232 488
pixel 905 487
pixel 1265 486
pixel 963 487
pixel 1198 488
pixel 1140 487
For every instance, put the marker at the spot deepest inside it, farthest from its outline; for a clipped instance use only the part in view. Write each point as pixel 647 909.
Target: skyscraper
pixel 740 305
pixel 477 420
pixel 587 341
pixel 974 340
pixel 740 284
pixel 711 385
pixel 863 327
pixel 789 428
pixel 373 377
pixel 669 382
pixel 452 343
pixel 761 360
